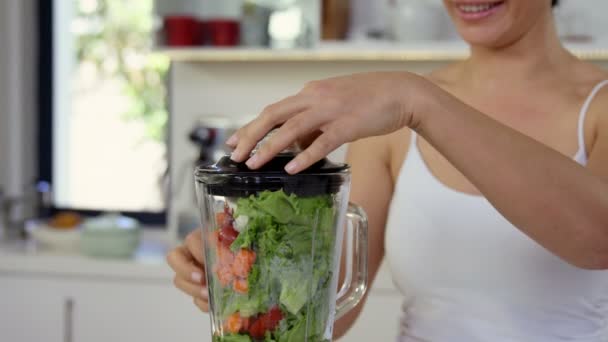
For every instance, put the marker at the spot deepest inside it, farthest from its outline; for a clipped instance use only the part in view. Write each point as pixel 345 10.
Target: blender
pixel 273 249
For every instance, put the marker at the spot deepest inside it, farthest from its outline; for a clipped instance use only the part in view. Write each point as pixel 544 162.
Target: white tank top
pixel 469 275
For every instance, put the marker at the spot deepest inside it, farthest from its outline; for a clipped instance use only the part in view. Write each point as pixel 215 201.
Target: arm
pixel 372 189
pixel 549 197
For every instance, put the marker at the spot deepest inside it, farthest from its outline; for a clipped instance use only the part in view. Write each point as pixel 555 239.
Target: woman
pixel 489 180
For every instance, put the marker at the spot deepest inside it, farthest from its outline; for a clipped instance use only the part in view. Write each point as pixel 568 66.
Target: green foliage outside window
pixel 116 36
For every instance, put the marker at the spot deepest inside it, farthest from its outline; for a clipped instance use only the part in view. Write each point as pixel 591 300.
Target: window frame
pixel 45 95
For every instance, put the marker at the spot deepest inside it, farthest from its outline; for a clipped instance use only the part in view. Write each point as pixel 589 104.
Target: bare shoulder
pixel 586 76
pixel 445 76
pixel 577 83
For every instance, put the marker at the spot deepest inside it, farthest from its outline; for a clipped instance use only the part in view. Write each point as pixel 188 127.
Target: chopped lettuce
pixel 294 240
pixel 296 289
pixel 232 338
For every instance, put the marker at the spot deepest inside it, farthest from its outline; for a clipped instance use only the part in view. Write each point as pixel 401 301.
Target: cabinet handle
pixel 68 320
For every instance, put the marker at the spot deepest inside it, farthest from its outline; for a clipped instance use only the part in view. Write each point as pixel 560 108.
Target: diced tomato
pixel 273 317
pixel 246 324
pixel 224 256
pixel 243 262
pixel 234 323
pixel 227 235
pixel 266 322
pixel 213 238
pixel 221 219
pixel 240 285
pixel 224 275
pixel 257 329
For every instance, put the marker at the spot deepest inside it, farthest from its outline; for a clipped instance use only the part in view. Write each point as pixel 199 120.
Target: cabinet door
pixel 33 310
pixel 133 311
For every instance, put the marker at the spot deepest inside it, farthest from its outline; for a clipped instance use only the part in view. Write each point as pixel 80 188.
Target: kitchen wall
pixel 587 16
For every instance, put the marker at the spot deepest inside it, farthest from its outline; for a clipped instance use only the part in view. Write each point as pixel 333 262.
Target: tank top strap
pixel 583 115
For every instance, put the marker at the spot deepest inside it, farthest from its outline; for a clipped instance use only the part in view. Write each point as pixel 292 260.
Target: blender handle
pixel 355 285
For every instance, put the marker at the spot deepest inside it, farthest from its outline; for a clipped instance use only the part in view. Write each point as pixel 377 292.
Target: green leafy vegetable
pixel 294 241
pixel 232 338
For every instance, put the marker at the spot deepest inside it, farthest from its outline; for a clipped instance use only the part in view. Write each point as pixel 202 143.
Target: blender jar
pixel 272 244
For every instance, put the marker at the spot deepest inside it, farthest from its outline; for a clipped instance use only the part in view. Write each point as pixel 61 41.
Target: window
pixel 109 110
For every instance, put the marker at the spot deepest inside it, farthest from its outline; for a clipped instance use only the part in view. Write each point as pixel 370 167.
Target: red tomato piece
pixel 240 285
pixel 273 318
pixel 234 323
pixel 243 261
pixel 227 235
pixel 257 329
pixel 213 238
pixel 224 275
pixel 225 256
pixel 266 322
pixel 221 219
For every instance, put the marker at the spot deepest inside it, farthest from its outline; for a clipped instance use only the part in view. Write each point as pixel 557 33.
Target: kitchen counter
pixel 363 51
pixel 24 257
pixel 51 297
pixel 149 265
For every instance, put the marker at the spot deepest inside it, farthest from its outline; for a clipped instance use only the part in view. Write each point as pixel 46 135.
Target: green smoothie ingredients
pixel 272 261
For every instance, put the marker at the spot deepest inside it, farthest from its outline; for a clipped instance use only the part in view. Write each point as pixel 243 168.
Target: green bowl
pixel 110 236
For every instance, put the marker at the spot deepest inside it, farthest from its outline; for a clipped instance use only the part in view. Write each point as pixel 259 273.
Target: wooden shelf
pixel 354 52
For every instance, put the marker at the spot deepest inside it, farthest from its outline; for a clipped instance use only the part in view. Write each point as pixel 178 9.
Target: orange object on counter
pixel 65 220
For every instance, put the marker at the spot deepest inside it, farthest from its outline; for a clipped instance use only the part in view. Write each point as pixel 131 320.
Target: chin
pixel 494 23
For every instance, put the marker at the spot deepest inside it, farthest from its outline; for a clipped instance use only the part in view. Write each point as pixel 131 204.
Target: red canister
pixel 182 30
pixel 222 32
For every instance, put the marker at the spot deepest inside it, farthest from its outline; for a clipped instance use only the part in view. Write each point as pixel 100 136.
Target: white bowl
pixel 59 240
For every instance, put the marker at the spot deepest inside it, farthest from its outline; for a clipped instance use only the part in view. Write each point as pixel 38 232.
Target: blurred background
pixel 106 106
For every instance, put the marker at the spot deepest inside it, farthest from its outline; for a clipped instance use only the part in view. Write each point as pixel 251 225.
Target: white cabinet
pixel 36 307
pixel 127 312
pixel 43 308
pixel 32 310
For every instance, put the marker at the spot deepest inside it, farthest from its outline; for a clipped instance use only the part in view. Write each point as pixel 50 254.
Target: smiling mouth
pixel 478 10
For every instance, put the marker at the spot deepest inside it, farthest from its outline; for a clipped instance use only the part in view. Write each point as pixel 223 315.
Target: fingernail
pixel 232 140
pixel 292 166
pixel 234 156
pixel 197 277
pixel 205 293
pixel 252 162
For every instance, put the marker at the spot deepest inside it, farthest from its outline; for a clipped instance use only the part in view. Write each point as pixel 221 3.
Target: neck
pixel 539 52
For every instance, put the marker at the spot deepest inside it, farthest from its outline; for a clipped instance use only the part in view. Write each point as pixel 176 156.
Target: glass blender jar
pixel 273 248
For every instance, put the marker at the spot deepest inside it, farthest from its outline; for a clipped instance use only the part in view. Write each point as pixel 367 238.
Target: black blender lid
pixel 229 178
pixel 225 165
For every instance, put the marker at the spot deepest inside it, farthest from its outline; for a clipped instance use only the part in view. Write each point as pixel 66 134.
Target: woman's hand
pixel 188 263
pixel 331 112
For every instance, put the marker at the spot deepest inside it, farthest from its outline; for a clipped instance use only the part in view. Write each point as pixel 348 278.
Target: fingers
pixel 194 244
pixel 321 147
pixel 181 261
pixel 295 128
pixel 192 289
pixel 202 304
pixel 247 137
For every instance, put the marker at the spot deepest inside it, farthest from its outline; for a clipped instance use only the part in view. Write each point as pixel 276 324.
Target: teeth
pixel 475 8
